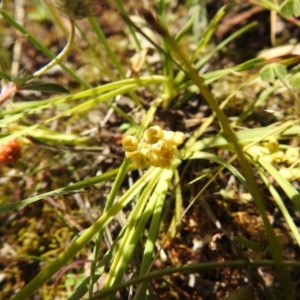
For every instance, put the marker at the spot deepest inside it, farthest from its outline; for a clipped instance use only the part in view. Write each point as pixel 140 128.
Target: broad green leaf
pixel 286 8
pixel 270 72
pixel 267 73
pixel 280 70
pixel 45 87
pixel 296 8
pixel 290 7
pixel 295 81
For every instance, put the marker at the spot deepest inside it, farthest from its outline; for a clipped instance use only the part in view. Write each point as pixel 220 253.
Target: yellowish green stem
pixel 60 56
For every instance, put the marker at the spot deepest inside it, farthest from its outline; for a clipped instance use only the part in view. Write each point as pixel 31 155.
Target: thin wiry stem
pixel 60 56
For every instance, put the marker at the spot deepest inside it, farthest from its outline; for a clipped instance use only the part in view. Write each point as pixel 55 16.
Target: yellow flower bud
pixel 131 154
pixel 178 138
pixel 169 135
pixel 139 161
pixel 160 132
pixel 292 155
pixel 165 163
pixel 153 134
pixel 271 145
pixel 278 157
pixel 168 150
pixel 152 158
pixel 130 143
pixel 290 174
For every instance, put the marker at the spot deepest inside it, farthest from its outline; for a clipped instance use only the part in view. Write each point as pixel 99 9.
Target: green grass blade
pixel 84 239
pixel 129 240
pixel 41 47
pixel 64 190
pixel 157 203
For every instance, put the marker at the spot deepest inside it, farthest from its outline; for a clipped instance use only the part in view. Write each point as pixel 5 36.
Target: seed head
pixel 10 152
pixel 79 9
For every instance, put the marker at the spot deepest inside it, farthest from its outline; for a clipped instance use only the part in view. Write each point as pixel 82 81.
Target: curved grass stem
pixel 61 55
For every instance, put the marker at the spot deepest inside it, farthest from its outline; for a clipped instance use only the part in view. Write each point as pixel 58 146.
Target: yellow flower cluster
pixel 290 174
pixel 289 158
pixel 157 147
pixel 275 155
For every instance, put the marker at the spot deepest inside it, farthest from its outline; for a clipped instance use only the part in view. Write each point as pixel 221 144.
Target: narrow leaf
pixel 247 243
pixel 5 76
pixel 45 87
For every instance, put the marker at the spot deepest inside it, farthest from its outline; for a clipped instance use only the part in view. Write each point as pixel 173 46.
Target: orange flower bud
pixel 10 152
